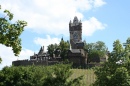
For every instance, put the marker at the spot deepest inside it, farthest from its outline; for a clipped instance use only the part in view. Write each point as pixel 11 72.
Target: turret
pixel 75 29
pixel 75 25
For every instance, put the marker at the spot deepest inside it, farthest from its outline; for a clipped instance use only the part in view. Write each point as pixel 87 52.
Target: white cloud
pixel 7 55
pixel 46 41
pixel 98 3
pixel 50 16
pixel 91 25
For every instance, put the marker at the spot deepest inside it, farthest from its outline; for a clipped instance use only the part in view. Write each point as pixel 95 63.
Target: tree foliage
pixel 55 75
pixel 0 60
pixel 60 49
pixel 95 51
pixel 59 75
pixel 10 32
pixel 51 49
pixel 21 76
pixel 64 47
pixel 116 71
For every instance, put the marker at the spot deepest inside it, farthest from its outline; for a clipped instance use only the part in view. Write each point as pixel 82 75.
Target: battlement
pixel 33 62
pixel 76 25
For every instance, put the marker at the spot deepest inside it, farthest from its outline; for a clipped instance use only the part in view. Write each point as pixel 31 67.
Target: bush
pixel 55 75
pixel 116 71
pixel 58 75
pixel 21 76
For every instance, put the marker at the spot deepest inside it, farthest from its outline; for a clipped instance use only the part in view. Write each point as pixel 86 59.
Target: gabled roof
pixel 41 51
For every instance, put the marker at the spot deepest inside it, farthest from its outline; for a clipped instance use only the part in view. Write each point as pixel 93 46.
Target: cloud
pixel 50 16
pixel 98 3
pixel 91 25
pixel 46 41
pixel 7 55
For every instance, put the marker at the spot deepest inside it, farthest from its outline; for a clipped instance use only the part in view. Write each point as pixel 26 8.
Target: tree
pixel 59 75
pixel 117 52
pixel 116 71
pixel 101 46
pixel 22 76
pixel 51 49
pixel 60 49
pixel 95 51
pixel 0 60
pixel 127 55
pixel 10 32
pixel 55 75
pixel 64 47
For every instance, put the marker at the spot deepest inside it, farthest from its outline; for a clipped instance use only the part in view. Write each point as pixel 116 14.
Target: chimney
pixel 43 48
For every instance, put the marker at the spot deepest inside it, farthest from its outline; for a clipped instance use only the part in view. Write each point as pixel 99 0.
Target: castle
pixel 76 54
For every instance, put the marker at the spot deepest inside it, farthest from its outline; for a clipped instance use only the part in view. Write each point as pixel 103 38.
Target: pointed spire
pixel 62 39
pixel 70 22
pixel 68 41
pixel 75 21
pixel 80 21
pixel 41 48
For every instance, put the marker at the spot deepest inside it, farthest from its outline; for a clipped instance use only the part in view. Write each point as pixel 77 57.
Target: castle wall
pixel 33 62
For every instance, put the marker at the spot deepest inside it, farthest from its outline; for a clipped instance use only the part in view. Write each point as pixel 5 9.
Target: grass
pixel 89 76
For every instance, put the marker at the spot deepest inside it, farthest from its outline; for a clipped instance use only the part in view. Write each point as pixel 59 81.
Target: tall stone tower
pixel 76 54
pixel 75 29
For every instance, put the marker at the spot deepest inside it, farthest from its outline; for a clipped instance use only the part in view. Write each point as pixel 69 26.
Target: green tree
pixel 117 53
pixel 101 46
pixel 0 60
pixel 51 49
pixel 64 47
pixel 114 72
pixel 55 75
pixel 10 32
pixel 95 51
pixel 59 75
pixel 127 54
pixel 56 50
pixel 22 76
pixel 60 49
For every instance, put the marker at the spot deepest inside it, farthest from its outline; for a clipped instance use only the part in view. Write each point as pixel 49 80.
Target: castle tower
pixel 76 54
pixel 75 29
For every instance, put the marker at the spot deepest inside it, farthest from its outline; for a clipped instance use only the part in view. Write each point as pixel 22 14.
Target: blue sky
pixel 48 21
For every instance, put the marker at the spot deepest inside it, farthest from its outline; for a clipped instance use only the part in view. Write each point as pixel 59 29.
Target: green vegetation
pixel 0 60
pixel 116 71
pixel 60 49
pixel 88 75
pixel 95 51
pixel 51 49
pixel 55 75
pixel 10 32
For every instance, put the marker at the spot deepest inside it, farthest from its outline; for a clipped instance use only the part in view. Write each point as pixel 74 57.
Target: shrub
pixel 55 75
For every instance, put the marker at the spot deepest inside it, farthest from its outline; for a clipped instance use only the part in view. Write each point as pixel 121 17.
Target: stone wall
pixel 33 62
